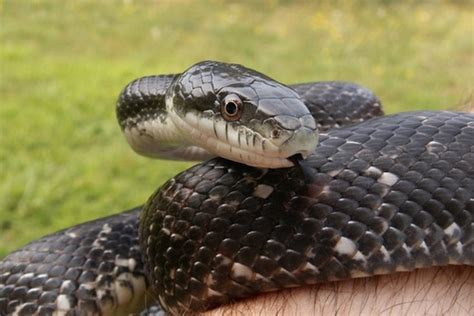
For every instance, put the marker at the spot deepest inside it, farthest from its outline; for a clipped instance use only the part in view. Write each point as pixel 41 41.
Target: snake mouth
pixel 296 158
pixel 299 161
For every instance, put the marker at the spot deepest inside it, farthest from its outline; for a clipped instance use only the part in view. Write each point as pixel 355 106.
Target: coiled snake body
pixel 392 193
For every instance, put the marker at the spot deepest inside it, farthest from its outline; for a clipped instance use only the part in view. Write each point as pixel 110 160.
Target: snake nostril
pixel 276 133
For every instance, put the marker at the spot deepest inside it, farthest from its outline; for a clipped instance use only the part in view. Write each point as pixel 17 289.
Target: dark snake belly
pixel 389 194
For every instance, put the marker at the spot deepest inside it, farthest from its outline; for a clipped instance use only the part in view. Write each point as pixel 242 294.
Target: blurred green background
pixel 63 159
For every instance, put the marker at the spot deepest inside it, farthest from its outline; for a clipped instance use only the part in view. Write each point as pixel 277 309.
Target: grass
pixel 63 159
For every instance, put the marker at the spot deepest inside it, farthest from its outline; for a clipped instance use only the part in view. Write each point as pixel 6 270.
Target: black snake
pixel 392 193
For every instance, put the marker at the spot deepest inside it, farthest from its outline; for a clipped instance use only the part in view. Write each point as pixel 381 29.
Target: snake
pixel 299 184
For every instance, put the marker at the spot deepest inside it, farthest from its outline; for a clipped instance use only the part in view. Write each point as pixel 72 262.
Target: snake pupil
pixel 231 108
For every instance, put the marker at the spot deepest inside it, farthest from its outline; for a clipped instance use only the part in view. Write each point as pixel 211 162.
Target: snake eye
pixel 231 107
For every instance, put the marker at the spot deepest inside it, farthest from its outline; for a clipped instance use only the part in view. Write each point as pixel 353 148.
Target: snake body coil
pixel 389 194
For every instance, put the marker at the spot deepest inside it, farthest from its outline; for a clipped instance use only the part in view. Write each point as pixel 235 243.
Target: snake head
pixel 242 115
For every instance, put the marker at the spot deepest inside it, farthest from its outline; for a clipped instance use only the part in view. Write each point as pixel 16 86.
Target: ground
pixel 63 159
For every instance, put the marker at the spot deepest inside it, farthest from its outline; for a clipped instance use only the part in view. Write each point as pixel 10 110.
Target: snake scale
pixel 390 193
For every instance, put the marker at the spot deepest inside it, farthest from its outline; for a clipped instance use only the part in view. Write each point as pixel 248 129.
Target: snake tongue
pixel 300 162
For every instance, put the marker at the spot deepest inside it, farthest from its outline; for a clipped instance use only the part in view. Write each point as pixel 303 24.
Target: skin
pixel 434 291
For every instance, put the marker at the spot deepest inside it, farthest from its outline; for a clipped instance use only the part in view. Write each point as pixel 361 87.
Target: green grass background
pixel 63 159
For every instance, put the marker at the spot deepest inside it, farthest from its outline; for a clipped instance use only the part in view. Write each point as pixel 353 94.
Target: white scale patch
pixel 42 276
pixel 106 229
pixel 24 276
pixel 308 267
pixel 435 146
pixel 334 172
pixel 287 274
pixel 209 280
pixel 241 271
pixel 263 191
pixel 352 142
pixel 259 277
pixel 18 309
pixel 459 247
pixel 62 303
pixel 326 189
pixel 424 247
pixel 407 249
pixel 453 230
pixel 65 285
pixel 385 226
pixel 87 286
pixel 373 171
pixel 132 264
pixel 127 263
pixel 172 272
pixel 345 246
pixel 213 293
pixel 72 235
pixel 388 178
pixel 360 257
pixel 386 255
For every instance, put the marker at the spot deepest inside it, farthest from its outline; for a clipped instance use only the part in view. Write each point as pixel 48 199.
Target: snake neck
pixel 160 138
pixel 143 138
pixel 146 123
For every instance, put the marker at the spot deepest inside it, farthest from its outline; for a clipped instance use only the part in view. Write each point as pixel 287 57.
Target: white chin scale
pixel 228 140
pixel 160 139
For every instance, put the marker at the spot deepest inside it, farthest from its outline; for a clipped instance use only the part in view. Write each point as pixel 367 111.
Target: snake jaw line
pixel 230 147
